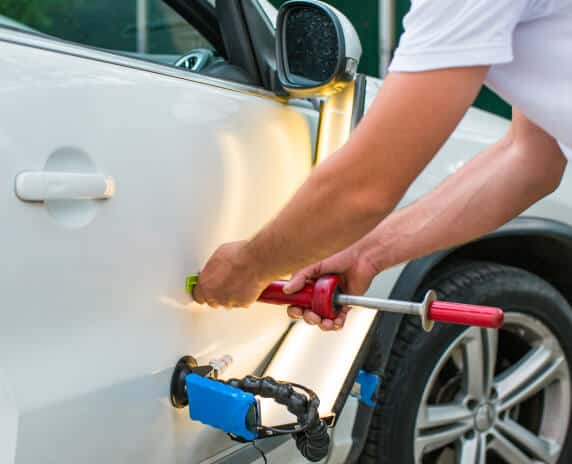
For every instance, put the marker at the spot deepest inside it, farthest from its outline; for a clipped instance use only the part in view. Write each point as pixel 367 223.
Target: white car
pixel 121 174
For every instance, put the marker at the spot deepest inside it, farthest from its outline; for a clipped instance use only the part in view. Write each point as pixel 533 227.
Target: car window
pixel 149 29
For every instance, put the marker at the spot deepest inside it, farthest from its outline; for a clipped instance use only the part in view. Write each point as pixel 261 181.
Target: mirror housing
pixel 317 49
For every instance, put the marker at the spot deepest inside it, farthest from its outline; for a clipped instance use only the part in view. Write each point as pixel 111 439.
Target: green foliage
pixel 37 14
pixel 109 24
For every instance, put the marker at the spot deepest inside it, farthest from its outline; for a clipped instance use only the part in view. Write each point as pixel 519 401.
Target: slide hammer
pixel 324 298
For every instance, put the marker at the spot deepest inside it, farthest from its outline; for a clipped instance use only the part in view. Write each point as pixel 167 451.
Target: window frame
pixel 201 15
pixel 75 49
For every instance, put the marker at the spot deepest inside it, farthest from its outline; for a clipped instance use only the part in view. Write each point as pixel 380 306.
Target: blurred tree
pixel 109 24
pixel 37 14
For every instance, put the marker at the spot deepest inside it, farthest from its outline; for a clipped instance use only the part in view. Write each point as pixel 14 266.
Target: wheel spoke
pixel 506 450
pixel 472 450
pixel 491 341
pixel 445 414
pixel 534 445
pixel 437 438
pixel 475 364
pixel 526 378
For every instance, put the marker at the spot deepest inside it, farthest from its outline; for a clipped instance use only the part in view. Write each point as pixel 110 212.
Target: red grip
pixel 274 294
pixel 317 296
pixel 464 314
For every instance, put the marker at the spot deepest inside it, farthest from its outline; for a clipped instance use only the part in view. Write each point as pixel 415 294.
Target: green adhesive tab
pixel 192 282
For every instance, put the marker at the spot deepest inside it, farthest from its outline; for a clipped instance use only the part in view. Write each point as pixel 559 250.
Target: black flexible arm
pixel 311 437
pixel 310 432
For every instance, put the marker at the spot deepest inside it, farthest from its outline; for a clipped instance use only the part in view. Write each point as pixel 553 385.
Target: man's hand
pixel 356 274
pixel 230 278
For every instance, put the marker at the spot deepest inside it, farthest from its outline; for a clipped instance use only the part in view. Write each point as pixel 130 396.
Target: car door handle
pixel 47 185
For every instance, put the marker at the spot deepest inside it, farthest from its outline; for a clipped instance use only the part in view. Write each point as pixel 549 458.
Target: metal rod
pixel 391 306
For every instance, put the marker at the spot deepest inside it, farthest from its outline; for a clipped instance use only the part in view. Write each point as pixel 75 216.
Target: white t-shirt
pixel 528 44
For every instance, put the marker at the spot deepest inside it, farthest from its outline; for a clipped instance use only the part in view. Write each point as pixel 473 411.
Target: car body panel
pixel 195 165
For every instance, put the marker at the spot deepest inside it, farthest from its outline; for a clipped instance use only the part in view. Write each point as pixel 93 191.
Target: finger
pixel 296 283
pixel 295 312
pixel 238 305
pixel 327 325
pixel 197 295
pixel 228 304
pixel 212 303
pixel 312 318
pixel 339 321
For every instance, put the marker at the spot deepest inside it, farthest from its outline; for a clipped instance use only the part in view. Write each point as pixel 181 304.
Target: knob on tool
pixel 325 299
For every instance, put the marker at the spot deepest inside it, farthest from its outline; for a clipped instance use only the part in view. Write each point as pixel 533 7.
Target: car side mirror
pixel 317 49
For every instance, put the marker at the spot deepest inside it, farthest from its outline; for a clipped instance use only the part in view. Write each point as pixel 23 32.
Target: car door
pixel 94 314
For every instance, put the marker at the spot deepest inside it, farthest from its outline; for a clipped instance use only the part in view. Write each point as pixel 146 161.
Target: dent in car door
pixel 94 313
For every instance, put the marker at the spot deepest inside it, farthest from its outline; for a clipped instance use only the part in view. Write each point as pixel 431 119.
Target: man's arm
pixel 500 183
pixel 348 194
pixel 524 167
pixel 351 192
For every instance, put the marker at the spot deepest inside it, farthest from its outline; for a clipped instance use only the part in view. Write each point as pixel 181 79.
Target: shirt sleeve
pixel 455 33
pixel 566 151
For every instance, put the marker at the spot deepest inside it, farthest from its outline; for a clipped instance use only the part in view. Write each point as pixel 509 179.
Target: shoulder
pixel 454 33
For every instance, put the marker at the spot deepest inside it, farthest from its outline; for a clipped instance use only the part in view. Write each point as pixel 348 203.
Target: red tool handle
pixel 317 296
pixel 274 294
pixel 464 314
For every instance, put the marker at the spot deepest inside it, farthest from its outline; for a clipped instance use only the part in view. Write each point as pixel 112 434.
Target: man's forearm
pixel 489 191
pixel 322 218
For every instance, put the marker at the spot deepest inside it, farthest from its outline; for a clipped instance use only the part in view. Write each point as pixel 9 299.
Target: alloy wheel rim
pixel 494 410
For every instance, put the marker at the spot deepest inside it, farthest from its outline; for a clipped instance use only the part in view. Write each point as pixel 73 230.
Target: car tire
pixel 427 373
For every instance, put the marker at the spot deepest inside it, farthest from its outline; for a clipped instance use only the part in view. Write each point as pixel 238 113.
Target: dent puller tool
pixel 232 406
pixel 324 298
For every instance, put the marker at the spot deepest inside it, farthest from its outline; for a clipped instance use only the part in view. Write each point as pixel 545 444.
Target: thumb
pixel 299 279
pixel 332 265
